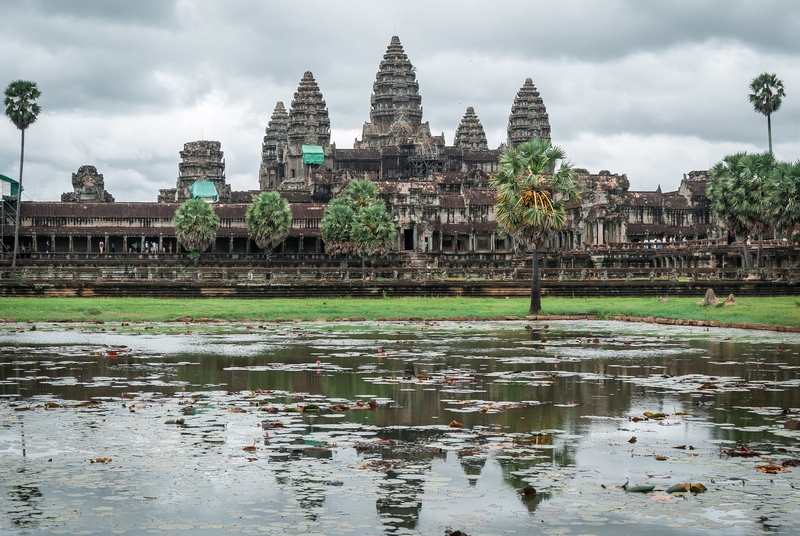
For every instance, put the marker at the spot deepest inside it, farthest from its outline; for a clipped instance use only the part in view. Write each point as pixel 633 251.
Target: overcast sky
pixel 650 89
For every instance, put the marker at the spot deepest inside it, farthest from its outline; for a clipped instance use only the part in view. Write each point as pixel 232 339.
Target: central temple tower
pixel 395 116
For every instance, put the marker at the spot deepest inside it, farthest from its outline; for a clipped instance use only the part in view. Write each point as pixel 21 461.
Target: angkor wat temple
pixel 438 194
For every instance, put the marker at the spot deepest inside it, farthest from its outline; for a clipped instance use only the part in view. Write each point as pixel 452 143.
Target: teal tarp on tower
pixel 203 189
pixel 8 186
pixel 313 154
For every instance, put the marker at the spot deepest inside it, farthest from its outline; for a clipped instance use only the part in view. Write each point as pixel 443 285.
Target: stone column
pixel 230 244
pixel 108 246
pixel 70 244
pixel 300 244
pixel 52 243
pixel 125 244
pixel 144 248
pixel 247 246
pixel 89 244
pixel 160 243
pixel 471 241
pixel 34 245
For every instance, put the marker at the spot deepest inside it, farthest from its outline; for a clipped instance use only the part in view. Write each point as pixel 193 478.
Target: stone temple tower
pixel 470 135
pixel 273 149
pixel 395 116
pixel 528 119
pixel 200 161
pixel 308 124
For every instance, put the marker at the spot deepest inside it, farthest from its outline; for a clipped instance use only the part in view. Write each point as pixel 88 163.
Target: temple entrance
pixel 408 239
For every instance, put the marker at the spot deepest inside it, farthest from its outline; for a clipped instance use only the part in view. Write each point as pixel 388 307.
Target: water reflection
pixel 388 423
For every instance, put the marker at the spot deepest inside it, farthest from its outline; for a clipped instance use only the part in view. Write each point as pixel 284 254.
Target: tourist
pixel 47 247
pixel 170 246
pixel 102 246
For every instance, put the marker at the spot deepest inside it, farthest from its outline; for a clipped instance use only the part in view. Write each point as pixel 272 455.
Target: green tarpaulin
pixel 313 154
pixel 203 189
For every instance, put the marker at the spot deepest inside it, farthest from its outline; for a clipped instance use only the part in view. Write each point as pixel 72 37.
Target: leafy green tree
pixel 357 223
pixel 736 194
pixel 782 196
pixel 269 219
pixel 196 226
pixel 531 198
pixel 767 92
pixel 22 110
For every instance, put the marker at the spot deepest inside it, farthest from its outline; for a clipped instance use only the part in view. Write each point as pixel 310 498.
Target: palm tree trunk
pixel 759 259
pixel 19 199
pixel 769 131
pixel 748 260
pixel 536 299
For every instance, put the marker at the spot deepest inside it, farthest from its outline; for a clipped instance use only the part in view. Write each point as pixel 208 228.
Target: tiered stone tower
pixel 308 124
pixel 395 116
pixel 528 119
pixel 470 135
pixel 201 161
pixel 88 185
pixel 273 149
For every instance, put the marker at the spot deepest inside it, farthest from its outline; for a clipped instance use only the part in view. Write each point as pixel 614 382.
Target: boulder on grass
pixel 709 299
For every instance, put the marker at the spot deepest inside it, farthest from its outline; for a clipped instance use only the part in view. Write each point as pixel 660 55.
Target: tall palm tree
pixel 269 219
pixel 767 92
pixel 736 193
pixel 22 110
pixel 196 226
pixel 531 198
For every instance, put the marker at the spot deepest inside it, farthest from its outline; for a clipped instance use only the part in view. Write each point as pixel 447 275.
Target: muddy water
pixel 397 428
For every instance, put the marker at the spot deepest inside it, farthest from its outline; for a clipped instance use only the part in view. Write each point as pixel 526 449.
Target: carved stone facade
pixel 200 161
pixel 88 185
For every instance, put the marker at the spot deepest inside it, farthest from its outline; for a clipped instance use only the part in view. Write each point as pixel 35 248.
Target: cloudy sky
pixel 651 89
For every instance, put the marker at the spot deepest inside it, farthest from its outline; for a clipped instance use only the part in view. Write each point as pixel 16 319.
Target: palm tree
pixel 269 219
pixel 335 227
pixel 22 110
pixel 531 198
pixel 196 226
pixel 372 232
pixel 782 197
pixel 357 223
pixel 736 193
pixel 361 193
pixel 767 91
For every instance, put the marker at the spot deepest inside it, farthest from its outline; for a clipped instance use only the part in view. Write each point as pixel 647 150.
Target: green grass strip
pixel 783 311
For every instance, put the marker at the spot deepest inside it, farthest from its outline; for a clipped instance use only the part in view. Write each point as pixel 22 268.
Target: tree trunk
pixel 748 260
pixel 536 299
pixel 19 200
pixel 363 268
pixel 769 131
pixel 759 258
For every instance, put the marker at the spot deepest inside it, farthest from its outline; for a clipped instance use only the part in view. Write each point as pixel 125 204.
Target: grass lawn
pixel 775 310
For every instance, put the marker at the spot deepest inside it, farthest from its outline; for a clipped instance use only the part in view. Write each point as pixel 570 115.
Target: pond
pixel 579 427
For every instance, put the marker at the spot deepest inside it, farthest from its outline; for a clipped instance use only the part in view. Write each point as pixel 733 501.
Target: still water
pixel 397 428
